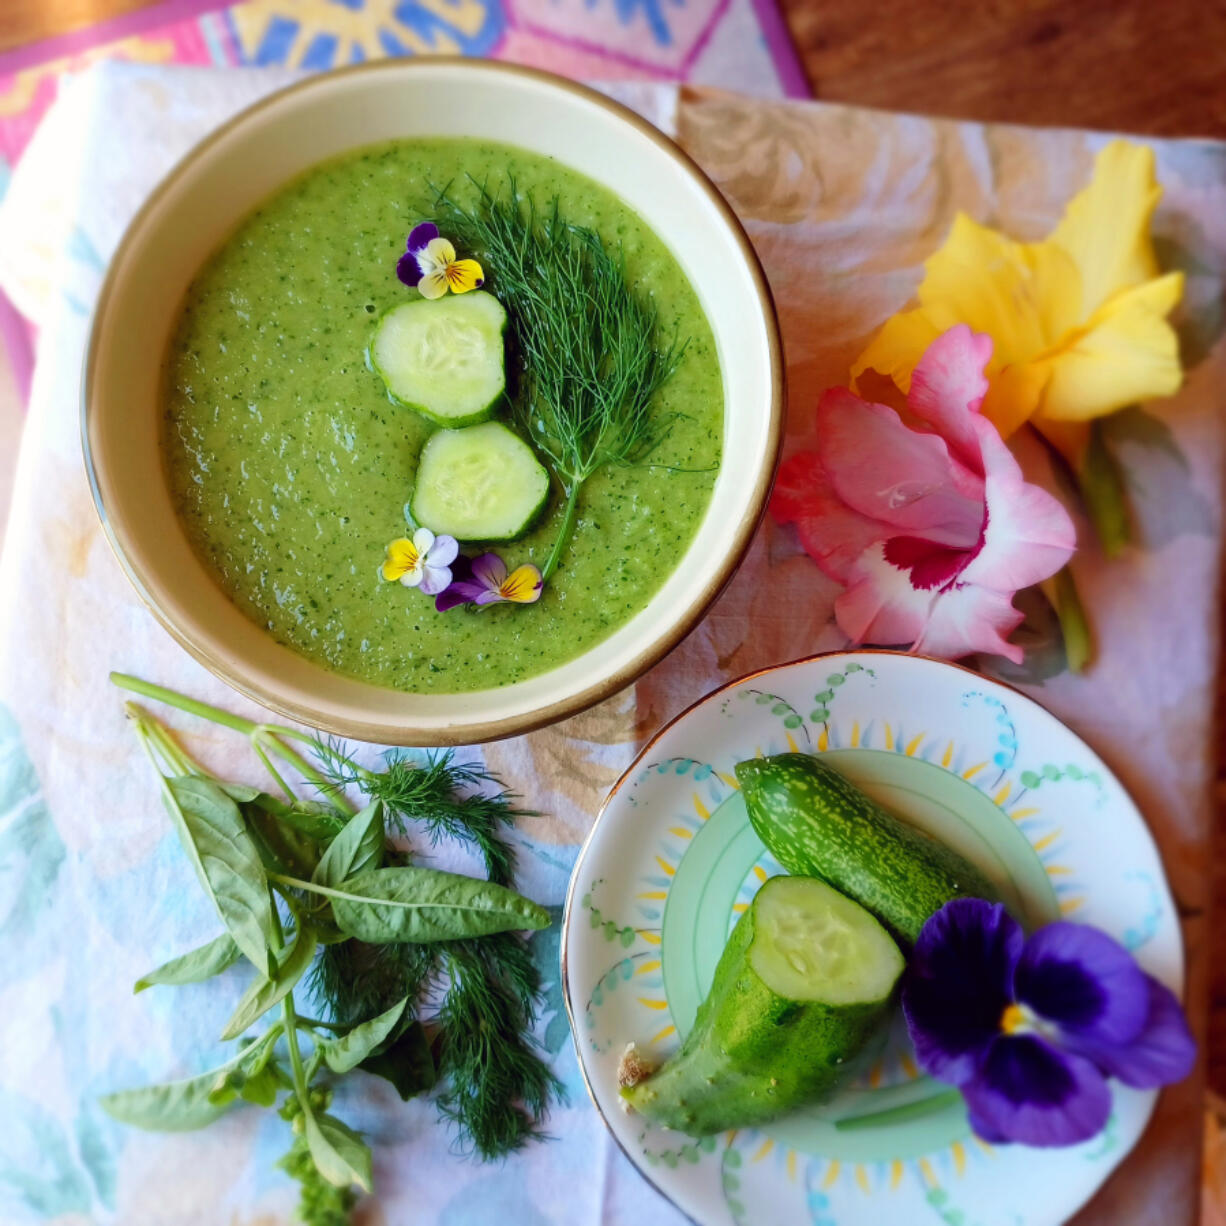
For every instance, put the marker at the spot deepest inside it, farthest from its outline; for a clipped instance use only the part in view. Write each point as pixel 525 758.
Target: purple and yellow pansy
pixel 485 580
pixel 423 562
pixel 429 265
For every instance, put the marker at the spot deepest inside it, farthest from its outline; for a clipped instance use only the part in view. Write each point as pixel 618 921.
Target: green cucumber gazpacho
pixel 441 415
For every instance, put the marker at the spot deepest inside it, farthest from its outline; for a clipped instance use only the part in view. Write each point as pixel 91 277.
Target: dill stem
pixel 565 530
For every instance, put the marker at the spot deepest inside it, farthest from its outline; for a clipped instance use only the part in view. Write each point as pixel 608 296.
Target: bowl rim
pixel 212 654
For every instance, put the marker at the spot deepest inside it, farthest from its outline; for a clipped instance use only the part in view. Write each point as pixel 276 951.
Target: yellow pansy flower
pixel 1078 320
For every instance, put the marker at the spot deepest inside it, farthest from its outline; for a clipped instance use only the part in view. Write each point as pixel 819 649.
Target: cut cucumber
pixel 482 483
pixel 806 979
pixel 446 358
pixel 814 821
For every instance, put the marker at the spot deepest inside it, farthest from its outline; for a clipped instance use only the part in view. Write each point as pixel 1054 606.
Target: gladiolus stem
pixel 1061 591
pixel 1101 484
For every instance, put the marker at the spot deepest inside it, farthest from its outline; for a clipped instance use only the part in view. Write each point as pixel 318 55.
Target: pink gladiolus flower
pixel 931 527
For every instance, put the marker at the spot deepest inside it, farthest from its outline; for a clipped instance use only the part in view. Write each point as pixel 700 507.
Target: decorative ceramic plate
pixel 673 861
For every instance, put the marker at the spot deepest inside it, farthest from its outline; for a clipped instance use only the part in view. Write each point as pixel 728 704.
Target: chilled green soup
pixel 291 468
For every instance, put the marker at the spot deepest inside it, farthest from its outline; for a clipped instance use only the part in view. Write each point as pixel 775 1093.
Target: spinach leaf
pixel 425 904
pixel 227 862
pixel 264 993
pixel 351 1049
pixel 406 1062
pixel 340 1154
pixel 196 966
pixel 241 793
pixel 356 849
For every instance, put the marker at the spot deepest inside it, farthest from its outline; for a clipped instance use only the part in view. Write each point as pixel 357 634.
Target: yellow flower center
pixel 1013 1019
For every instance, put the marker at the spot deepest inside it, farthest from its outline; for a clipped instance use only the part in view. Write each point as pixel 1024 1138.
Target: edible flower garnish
pixel 1077 320
pixel 1029 1029
pixel 423 562
pixel 932 528
pixel 484 580
pixel 429 264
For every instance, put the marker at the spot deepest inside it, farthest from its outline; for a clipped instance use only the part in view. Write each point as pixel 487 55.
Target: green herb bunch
pixel 590 354
pixel 315 896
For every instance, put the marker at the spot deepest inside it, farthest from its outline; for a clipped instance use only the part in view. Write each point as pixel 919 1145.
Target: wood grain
pixel 30 21
pixel 1153 66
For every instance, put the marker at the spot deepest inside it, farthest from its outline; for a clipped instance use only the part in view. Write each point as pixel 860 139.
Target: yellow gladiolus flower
pixel 1078 320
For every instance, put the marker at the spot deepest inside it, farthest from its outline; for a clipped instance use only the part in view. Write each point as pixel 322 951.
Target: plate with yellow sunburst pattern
pixel 673 861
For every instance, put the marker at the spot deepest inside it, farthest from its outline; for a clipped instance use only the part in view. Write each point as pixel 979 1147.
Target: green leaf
pixel 264 993
pixel 175 1106
pixel 406 1062
pixel 203 963
pixel 263 1086
pixel 315 819
pixel 340 1154
pixel 424 904
pixel 227 863
pixel 358 848
pixel 1102 490
pixel 1061 592
pixel 351 1049
pixel 282 848
pixel 240 793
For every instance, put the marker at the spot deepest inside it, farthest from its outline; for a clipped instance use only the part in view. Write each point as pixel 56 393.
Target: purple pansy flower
pixel 485 580
pixel 429 264
pixel 1029 1029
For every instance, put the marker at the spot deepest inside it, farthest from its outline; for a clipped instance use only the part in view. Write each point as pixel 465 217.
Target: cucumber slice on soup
pixel 444 358
pixel 806 979
pixel 482 483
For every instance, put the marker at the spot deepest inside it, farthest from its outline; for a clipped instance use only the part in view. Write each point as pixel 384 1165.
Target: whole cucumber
pixel 815 822
pixel 806 978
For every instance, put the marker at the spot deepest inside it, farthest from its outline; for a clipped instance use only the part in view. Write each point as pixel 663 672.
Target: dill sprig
pixel 497 1087
pixel 444 797
pixel 590 357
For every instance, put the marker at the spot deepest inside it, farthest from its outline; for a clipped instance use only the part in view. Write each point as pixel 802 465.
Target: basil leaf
pixel 175 1106
pixel 242 793
pixel 282 848
pixel 341 1156
pixel 315 819
pixel 351 1049
pixel 264 993
pixel 356 849
pixel 227 863
pixel 406 1062
pixel 425 904
pixel 194 967
pixel 262 1087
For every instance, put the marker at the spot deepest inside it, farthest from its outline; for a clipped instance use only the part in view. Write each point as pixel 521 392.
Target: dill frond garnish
pixel 589 352
pixel 445 797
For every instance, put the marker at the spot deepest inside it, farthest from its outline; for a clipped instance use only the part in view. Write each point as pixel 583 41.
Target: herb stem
pixel 271 734
pixel 295 1055
pixel 565 529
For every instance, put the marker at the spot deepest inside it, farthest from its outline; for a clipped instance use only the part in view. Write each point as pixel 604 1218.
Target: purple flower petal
pixel 1087 983
pixel 490 571
pixel 408 269
pixel 444 551
pixel 421 236
pixel 1164 1052
pixel 958 985
pixel 434 579
pixel 1029 1092
pixel 451 597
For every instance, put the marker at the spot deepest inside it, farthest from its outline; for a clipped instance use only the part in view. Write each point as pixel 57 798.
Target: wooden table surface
pixel 1150 66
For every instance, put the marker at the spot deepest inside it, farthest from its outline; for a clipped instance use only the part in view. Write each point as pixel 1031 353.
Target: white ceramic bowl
pixel 201 201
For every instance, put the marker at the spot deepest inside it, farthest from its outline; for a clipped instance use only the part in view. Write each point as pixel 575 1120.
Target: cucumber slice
pixel 806 979
pixel 815 822
pixel 445 358
pixel 482 483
